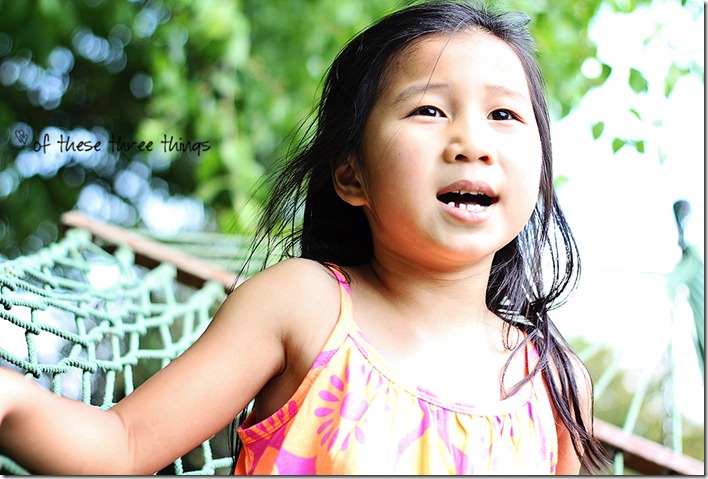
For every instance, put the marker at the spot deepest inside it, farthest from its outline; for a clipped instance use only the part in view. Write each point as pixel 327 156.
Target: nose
pixel 469 141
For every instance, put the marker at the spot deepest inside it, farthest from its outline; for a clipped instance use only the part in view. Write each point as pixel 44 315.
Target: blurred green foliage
pixel 226 80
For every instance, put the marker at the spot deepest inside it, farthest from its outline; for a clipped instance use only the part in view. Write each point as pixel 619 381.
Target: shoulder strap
pixel 345 297
pixel 340 275
pixel 532 356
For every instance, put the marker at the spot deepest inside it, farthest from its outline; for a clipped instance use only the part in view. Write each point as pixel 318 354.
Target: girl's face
pixel 451 152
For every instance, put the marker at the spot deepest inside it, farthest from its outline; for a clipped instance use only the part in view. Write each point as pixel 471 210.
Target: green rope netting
pixel 92 325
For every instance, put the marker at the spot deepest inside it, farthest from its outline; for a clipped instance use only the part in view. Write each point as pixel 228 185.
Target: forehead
pixel 468 56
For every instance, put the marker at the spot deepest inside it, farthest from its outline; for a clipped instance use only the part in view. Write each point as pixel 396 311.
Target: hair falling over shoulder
pixel 304 216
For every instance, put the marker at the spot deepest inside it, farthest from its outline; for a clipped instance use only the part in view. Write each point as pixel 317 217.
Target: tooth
pixel 451 203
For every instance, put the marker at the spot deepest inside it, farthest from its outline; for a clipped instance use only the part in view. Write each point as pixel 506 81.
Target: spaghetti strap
pixel 532 356
pixel 345 322
pixel 340 275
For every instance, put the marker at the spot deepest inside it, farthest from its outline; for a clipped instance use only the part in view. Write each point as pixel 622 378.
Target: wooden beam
pixel 645 456
pixel 149 253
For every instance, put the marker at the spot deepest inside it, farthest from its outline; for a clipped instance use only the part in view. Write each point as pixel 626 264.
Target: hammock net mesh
pixel 86 322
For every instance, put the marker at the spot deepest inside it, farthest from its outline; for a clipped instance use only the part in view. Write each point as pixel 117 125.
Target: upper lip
pixel 468 186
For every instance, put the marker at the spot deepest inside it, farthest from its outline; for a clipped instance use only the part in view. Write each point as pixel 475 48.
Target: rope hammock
pixel 92 325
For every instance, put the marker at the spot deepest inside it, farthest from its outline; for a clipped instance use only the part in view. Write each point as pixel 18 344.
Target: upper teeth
pixel 466 206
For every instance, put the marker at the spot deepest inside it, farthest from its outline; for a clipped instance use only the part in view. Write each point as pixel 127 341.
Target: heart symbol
pixel 21 136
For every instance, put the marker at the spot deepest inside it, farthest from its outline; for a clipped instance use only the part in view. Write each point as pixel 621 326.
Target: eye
pixel 427 111
pixel 503 115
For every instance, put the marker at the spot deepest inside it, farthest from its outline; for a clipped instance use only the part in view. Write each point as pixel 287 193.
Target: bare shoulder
pixel 297 273
pixel 300 300
pixel 288 289
pixel 297 300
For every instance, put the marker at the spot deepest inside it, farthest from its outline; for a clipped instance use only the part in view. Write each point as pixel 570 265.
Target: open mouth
pixel 465 200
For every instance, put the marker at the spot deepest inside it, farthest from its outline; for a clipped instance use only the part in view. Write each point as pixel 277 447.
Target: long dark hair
pixel 305 217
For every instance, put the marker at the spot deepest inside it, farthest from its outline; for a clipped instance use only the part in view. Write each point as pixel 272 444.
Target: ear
pixel 348 184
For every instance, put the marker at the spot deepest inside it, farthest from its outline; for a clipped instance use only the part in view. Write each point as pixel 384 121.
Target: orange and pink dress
pixel 353 415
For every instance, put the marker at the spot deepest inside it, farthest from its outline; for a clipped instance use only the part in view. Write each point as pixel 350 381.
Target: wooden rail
pixel 150 253
pixel 645 456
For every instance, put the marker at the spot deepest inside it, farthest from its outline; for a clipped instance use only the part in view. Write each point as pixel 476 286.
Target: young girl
pixel 411 335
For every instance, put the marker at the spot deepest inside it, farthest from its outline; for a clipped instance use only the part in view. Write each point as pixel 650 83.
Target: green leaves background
pixel 238 74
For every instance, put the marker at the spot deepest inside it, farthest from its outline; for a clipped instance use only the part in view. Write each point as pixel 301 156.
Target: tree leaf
pixel 674 74
pixel 635 113
pixel 618 143
pixel 639 145
pixel 597 129
pixel 559 181
pixel 637 81
pixel 662 156
pixel 606 70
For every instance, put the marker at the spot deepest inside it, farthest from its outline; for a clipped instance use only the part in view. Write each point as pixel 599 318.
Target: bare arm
pixel 175 410
pixel 40 429
pixel 568 460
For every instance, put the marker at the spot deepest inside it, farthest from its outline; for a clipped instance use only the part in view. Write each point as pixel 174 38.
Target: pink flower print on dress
pixel 345 406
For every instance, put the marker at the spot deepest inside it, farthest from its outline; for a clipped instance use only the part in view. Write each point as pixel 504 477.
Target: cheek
pixel 392 161
pixel 534 182
pixel 528 180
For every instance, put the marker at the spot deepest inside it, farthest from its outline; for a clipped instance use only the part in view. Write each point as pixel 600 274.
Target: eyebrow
pixel 422 88
pixel 418 89
pixel 506 91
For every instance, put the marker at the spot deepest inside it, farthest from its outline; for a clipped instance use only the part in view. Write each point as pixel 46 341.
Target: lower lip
pixel 467 216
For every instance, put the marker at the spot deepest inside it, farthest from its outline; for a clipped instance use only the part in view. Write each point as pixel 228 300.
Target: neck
pixel 450 295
